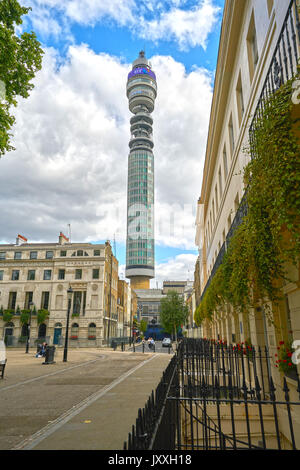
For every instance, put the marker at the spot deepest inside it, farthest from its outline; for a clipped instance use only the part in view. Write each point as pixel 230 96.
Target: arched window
pixel 79 252
pixel 58 325
pixel 74 330
pixel 92 331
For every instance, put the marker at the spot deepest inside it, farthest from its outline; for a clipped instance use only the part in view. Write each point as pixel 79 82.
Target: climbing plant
pixel 42 315
pixel 253 268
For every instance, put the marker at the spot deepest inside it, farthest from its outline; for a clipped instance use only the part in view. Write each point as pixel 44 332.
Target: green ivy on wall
pixel 42 315
pixel 253 268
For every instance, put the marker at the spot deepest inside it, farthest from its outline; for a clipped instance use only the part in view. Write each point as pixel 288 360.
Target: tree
pixel 20 59
pixel 174 312
pixel 143 326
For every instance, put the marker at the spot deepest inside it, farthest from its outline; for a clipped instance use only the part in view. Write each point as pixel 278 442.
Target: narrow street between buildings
pixel 88 403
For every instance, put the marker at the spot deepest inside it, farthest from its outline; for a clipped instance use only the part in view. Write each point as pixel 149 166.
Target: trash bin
pixel 49 357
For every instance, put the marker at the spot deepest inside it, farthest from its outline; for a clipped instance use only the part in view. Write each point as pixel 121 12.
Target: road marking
pixel 35 439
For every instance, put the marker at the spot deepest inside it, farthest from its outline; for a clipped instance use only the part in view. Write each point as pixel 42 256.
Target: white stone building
pixel 36 277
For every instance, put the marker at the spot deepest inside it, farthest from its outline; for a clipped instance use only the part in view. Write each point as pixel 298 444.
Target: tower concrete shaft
pixel 141 93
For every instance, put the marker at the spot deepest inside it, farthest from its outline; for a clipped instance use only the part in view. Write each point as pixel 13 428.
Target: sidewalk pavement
pixel 104 419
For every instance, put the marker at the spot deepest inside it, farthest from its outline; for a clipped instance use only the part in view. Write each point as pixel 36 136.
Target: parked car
pixel 166 342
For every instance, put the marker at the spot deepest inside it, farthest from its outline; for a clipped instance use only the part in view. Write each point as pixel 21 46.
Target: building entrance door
pixel 57 335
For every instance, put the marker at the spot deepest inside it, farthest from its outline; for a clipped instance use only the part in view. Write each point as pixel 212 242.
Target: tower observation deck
pixel 141 93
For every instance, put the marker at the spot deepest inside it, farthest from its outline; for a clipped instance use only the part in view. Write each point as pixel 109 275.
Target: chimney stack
pixel 20 239
pixel 62 239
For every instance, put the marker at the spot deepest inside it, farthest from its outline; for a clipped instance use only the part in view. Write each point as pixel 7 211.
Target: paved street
pixel 158 347
pixel 90 402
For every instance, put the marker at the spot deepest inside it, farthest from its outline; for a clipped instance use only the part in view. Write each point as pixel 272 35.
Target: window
pixel 96 252
pixel 220 184
pixel 12 300
pixel 15 275
pixel 231 135
pixel 92 331
pixel 95 273
pixel 49 254
pixel 236 202
pixel 240 99
pixel 252 48
pixel 217 199
pixel 1 275
pixel 61 274
pixel 74 330
pixel 229 222
pixel 63 253
pixel 78 273
pixel 79 252
pixel 77 302
pixel 225 163
pixel 33 255
pixel 18 255
pixel 45 300
pixel 31 275
pixel 47 275
pixel 28 300
pixel 2 254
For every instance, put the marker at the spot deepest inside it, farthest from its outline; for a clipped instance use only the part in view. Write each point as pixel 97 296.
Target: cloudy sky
pixel 71 135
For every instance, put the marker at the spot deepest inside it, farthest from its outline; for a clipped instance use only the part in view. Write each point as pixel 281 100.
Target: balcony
pixel 283 65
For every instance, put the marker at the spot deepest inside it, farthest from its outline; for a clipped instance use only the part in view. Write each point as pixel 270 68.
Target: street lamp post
pixel 70 292
pixel 31 305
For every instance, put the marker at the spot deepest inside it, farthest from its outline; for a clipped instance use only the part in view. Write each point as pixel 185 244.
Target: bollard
pixel 122 346
pixel 169 349
pixel 143 347
pixel 133 347
pixel 49 358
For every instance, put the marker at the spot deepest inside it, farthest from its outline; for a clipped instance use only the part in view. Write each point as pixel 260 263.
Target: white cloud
pixel 72 137
pixel 180 268
pixel 189 28
pixel 166 20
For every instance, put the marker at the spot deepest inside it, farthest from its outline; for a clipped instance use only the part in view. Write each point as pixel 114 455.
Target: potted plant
pixel 8 314
pixel 91 337
pixel 42 315
pixel 284 359
pixel 74 337
pixel 24 318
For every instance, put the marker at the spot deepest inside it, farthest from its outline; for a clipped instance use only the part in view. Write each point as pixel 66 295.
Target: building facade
pixel 124 308
pixel 258 53
pixel 35 277
pixel 141 93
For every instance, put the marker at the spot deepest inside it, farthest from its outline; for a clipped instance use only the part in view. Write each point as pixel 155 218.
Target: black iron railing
pixel 238 218
pixel 149 430
pixel 282 68
pixel 217 397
